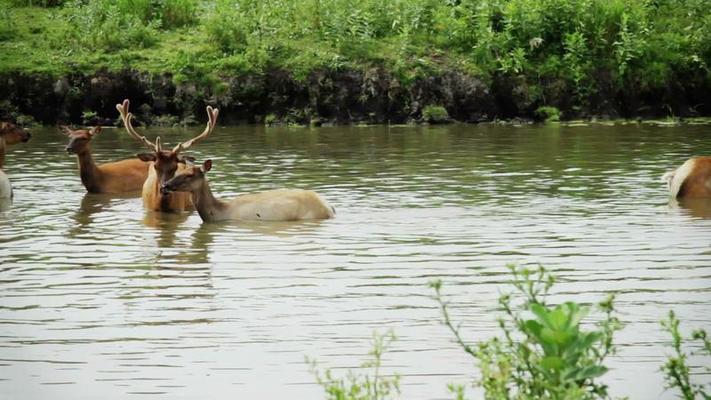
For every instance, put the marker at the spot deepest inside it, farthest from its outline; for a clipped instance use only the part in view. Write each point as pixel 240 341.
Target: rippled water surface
pixel 100 299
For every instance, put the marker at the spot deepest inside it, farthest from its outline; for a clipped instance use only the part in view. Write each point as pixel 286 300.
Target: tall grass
pixel 584 48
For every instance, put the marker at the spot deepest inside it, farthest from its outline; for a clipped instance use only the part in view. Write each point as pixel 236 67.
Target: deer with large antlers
pixel 9 134
pixel 164 164
pixel 114 177
pixel 272 205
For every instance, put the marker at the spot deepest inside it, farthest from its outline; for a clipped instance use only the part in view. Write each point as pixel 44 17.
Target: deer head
pixel 188 180
pixel 12 134
pixel 78 139
pixel 165 162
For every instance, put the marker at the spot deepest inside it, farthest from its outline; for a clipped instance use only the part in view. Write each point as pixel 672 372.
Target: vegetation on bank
pixel 571 54
pixel 543 351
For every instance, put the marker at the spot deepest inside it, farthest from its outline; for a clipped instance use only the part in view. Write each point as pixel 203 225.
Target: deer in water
pixel 164 164
pixel 114 177
pixel 691 180
pixel 273 205
pixel 10 134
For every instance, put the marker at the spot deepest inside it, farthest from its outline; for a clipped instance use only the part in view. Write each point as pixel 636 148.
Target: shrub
pixel 362 387
pixel 548 356
pixel 177 13
pixel 7 27
pixel 435 115
pixel 676 370
pixel 547 114
pixel 37 3
pixel 104 25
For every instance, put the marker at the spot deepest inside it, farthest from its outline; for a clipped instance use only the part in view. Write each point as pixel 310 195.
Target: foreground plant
pixel 373 386
pixel 676 370
pixel 544 353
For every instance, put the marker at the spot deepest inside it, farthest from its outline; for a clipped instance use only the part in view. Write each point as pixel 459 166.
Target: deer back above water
pixel 273 205
pixel 10 134
pixel 691 180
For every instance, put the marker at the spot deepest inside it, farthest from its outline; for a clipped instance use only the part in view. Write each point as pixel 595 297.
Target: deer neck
pixel 88 171
pixel 209 207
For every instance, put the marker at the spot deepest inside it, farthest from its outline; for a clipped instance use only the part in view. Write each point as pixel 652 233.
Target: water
pixel 100 299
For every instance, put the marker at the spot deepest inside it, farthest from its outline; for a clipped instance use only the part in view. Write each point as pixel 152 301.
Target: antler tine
pixel 211 123
pixel 126 117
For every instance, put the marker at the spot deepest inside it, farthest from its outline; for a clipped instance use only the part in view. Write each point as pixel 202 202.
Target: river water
pixel 100 299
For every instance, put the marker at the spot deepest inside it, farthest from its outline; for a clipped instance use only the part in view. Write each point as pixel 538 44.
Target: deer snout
pixel 165 189
pixel 27 137
pixel 69 149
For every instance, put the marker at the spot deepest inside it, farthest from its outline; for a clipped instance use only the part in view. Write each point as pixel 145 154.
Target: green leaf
pixel 592 371
pixel 552 363
pixel 560 338
pixel 542 314
pixel 533 328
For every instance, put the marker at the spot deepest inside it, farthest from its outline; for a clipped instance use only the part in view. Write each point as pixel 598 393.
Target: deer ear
pixel 95 130
pixel 207 165
pixel 146 156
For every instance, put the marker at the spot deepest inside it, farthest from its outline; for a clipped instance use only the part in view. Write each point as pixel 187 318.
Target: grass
pixel 556 49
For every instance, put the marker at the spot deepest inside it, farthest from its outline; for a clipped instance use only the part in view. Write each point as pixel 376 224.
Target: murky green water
pixel 100 299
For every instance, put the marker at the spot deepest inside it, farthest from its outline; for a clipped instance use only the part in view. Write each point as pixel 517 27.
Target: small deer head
pixel 78 139
pixel 13 134
pixel 189 180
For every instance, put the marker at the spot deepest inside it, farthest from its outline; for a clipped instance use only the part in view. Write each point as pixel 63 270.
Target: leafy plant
pixel 676 369
pixel 362 387
pixel 547 114
pixel 544 352
pixel 435 114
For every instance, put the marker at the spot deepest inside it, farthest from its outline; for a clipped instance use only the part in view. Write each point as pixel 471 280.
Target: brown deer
pixel 691 180
pixel 10 134
pixel 164 164
pixel 273 205
pixel 114 177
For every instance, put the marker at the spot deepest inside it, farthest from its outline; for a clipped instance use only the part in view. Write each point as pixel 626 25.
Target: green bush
pixel 544 351
pixel 676 369
pixel 37 3
pixel 103 25
pixel 177 13
pixel 362 387
pixel 547 114
pixel 435 115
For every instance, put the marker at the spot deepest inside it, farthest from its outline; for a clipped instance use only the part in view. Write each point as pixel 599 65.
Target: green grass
pixel 583 48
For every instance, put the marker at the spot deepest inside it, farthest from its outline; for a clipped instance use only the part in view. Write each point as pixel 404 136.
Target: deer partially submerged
pixel 691 180
pixel 273 205
pixel 114 177
pixel 10 134
pixel 164 164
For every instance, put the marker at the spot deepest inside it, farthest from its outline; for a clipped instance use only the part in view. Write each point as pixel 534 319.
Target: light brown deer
pixel 273 205
pixel 114 177
pixel 164 164
pixel 10 134
pixel 691 180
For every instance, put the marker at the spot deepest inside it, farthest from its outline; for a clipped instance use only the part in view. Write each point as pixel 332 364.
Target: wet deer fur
pixel 10 134
pixel 113 177
pixel 691 180
pixel 273 205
